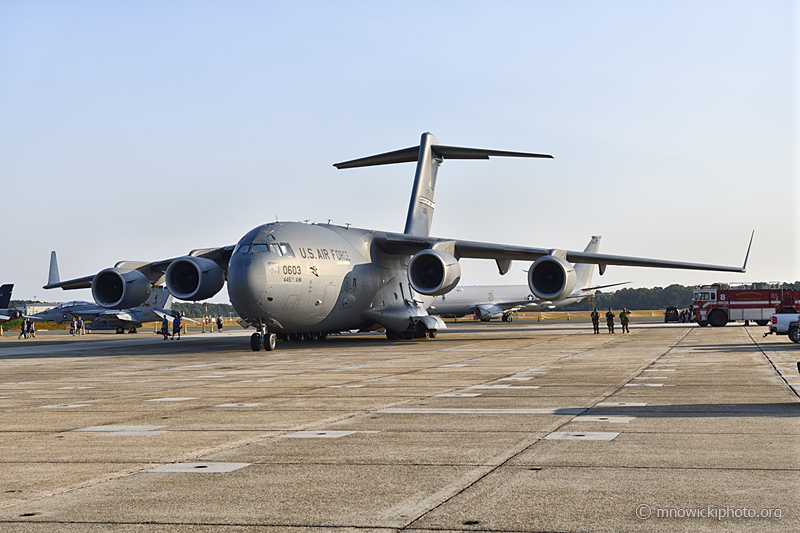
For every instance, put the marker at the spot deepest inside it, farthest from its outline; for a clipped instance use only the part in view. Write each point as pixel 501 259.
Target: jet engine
pixel 552 278
pixel 120 288
pixel 433 272
pixel 194 278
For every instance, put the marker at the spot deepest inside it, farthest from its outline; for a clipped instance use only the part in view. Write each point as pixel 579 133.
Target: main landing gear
pixel 507 318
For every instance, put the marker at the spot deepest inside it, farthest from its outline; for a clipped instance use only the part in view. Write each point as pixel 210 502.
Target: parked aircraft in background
pixel 5 300
pixel 157 306
pixel 292 278
pixel 486 302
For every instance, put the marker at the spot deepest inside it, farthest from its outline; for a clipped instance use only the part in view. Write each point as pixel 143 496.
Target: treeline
pixel 679 296
pixel 198 310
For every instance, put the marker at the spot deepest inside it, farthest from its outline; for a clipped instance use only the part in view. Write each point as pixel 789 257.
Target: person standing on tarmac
pixel 165 327
pixel 219 323
pixel 176 327
pixel 610 320
pixel 624 316
pixel 596 321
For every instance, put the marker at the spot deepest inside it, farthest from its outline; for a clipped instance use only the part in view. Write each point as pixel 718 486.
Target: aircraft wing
pixel 154 271
pixel 3 318
pixel 398 243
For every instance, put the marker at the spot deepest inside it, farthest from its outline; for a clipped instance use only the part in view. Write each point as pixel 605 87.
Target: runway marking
pixel 199 468
pixel 466 411
pixel 644 384
pixel 124 431
pixel 320 434
pixel 620 404
pixel 610 419
pixel 576 435
pixel 651 377
pixel 63 406
pixel 659 366
pixel 458 395
pixel 513 378
pixel 659 370
pixel 170 399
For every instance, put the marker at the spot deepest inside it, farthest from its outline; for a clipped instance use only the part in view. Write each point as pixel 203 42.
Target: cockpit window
pixel 259 248
pixel 270 237
pixel 286 249
pixel 274 248
pixel 242 248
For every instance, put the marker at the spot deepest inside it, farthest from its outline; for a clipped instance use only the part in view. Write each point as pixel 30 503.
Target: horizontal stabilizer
pixel 410 155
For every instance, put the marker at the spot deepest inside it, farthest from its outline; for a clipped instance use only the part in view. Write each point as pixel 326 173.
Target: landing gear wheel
pixel 762 322
pixel 255 342
pixel 120 330
pixel 794 334
pixel 702 323
pixel 510 318
pixel 408 335
pixel 270 341
pixel 432 333
pixel 132 330
pixel 717 318
pixel 391 335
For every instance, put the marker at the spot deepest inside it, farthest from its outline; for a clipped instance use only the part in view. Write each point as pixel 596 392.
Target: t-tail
pixel 5 295
pixel 429 155
pixel 584 271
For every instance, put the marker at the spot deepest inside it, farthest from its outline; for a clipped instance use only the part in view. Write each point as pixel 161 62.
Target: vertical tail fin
pixel 5 295
pixel 584 271
pixel 420 208
pixel 53 277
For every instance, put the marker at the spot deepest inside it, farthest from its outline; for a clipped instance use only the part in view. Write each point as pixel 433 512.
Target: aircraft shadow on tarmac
pixel 703 410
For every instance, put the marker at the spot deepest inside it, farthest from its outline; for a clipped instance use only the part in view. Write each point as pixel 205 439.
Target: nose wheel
pixel 267 339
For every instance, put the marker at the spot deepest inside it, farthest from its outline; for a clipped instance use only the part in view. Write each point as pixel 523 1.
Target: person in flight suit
pixel 624 316
pixel 610 320
pixel 596 320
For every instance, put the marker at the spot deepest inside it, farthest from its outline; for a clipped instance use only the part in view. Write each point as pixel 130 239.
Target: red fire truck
pixel 719 304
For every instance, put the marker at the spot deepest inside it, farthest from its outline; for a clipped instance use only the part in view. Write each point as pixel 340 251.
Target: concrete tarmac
pixel 490 427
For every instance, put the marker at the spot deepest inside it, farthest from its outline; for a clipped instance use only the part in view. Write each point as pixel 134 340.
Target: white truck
pixel 786 322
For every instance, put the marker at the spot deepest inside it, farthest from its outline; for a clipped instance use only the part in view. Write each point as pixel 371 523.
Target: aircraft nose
pixel 247 284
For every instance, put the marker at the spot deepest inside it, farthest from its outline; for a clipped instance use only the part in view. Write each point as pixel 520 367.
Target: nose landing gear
pixel 265 338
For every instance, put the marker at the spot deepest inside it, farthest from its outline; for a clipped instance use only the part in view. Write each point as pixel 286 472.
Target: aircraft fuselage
pixel 298 278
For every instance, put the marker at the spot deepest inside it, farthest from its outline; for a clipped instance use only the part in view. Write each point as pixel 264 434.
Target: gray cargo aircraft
pixel 157 306
pixel 486 302
pixel 297 279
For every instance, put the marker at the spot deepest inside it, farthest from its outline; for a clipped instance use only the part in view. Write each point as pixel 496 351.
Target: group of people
pixel 76 327
pixel 624 319
pixel 176 327
pixel 26 329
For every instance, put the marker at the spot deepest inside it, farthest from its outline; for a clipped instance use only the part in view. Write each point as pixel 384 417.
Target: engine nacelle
pixel 120 288
pixel 552 278
pixel 433 272
pixel 487 312
pixel 194 278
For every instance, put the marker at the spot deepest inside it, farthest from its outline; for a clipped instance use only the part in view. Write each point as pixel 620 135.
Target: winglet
pixel 53 278
pixel 747 255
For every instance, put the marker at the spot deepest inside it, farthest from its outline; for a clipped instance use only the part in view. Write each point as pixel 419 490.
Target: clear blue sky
pixel 142 130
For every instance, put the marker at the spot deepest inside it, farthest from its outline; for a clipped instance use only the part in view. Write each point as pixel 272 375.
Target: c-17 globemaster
pixel 296 279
